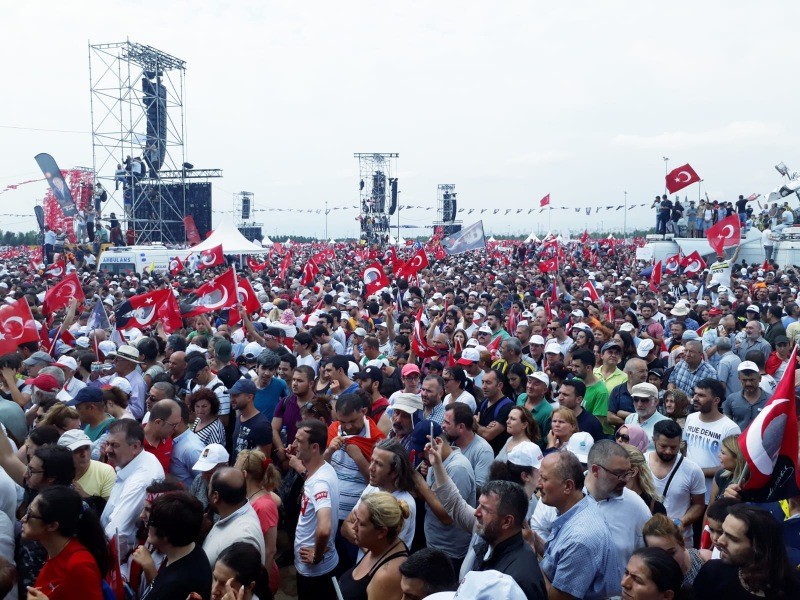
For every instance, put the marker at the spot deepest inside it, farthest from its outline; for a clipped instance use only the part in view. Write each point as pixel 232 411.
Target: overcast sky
pixel 507 100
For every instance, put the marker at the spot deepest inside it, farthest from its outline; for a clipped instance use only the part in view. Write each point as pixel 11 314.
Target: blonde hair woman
pixel 379 519
pixel 562 425
pixel 262 478
pixel 732 461
pixel 642 482
pixel 62 417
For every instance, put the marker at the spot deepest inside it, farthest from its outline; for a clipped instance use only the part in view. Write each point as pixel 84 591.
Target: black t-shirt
pixel 192 573
pixel 497 412
pixel 588 422
pixel 741 205
pixel 717 579
pixel 252 433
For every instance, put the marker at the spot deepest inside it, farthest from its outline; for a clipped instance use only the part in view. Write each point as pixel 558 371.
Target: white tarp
pixel 232 240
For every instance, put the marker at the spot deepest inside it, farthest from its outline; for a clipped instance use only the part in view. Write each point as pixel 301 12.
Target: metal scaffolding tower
pixel 447 209
pixel 377 194
pixel 137 110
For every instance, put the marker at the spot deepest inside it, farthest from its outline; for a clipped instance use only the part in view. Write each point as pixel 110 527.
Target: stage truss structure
pixel 377 194
pixel 446 209
pixel 126 80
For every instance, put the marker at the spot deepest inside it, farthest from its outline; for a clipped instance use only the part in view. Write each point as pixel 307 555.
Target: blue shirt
pixel 581 559
pixel 685 380
pixel 267 398
pixel 186 450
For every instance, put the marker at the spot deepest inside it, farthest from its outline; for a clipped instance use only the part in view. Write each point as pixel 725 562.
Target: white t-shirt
pixel 721 271
pixel 704 440
pixel 688 480
pixel 321 490
pixel 309 361
pixel 464 397
pixel 351 481
pixel 409 525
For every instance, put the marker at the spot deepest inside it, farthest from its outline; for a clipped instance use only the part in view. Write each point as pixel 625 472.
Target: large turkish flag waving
pixel 724 234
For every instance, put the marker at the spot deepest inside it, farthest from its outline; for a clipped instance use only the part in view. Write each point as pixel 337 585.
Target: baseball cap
pixel 485 329
pixel 714 312
pixel 87 394
pixel 372 373
pixel 781 339
pixel 106 347
pixel 483 585
pixel 747 365
pixel 410 369
pixel 243 386
pixel 552 348
pixel 689 334
pixel 43 381
pixel 212 455
pixel 644 389
pixel 541 376
pixel 626 327
pixel 408 403
pixel 610 344
pixel 38 358
pixel 644 348
pixel 419 436
pixel 753 308
pixel 68 362
pixel 537 340
pixel 194 366
pixel 252 350
pixel 469 356
pixel 74 439
pixel 360 331
pixel 526 454
pixel 121 383
pixel 579 444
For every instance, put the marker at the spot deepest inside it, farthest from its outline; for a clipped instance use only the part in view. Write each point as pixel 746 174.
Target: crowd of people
pixel 392 445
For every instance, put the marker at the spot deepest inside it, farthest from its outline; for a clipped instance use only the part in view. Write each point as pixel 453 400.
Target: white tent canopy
pixel 332 241
pixel 491 239
pixel 532 238
pixel 233 242
pixel 392 241
pixel 266 241
pixel 288 242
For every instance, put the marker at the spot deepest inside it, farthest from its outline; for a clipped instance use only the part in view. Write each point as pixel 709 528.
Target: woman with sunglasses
pixel 634 435
pixel 77 554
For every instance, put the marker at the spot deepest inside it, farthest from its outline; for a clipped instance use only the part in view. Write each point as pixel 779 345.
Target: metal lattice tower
pixel 446 208
pixel 137 109
pixel 377 194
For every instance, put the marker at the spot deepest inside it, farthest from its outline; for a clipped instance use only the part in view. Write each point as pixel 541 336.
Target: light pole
pixel 666 172
pixel 326 221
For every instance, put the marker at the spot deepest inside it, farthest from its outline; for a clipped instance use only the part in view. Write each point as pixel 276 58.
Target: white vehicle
pixel 660 249
pixel 127 260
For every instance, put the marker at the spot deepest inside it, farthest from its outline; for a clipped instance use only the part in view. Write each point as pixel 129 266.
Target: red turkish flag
pixel 655 277
pixel 140 310
pixel 374 278
pixel 769 445
pixel 585 236
pixel 310 271
pixel 56 270
pixel 673 264
pixel 419 343
pixel 679 178
pixel 549 266
pixel 175 266
pixel 58 296
pixel 247 297
pixel 693 264
pixel 211 258
pixel 439 253
pixel 591 290
pixel 278 247
pixel 217 294
pixel 415 264
pixel 545 201
pixel 724 234
pixel 285 264
pixel 169 313
pixel 254 265
pixel 16 326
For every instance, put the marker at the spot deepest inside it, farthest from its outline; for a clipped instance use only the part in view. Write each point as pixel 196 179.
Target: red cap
pixel 45 382
pixel 714 312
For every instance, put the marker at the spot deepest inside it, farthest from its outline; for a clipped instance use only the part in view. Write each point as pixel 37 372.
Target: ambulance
pixel 127 260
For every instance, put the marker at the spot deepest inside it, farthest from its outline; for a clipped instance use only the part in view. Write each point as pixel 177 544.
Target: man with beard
pixel 457 426
pixel 753 559
pixel 707 426
pixel 287 413
pixel 624 510
pixel 677 479
pixel 270 389
pixel 406 414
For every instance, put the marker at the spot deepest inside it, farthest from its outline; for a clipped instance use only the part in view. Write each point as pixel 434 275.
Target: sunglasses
pixel 623 437
pixel 310 407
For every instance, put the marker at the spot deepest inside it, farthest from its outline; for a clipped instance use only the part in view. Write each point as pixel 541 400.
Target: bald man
pixel 238 522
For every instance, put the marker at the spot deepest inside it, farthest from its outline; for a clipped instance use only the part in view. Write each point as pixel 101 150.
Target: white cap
pixel 747 365
pixel 253 349
pixel 541 376
pixel 626 327
pixel 68 362
pixel 106 347
pixel 537 340
pixel 644 348
pixel 408 403
pixel 360 332
pixel 484 585
pixel 121 383
pixel 212 455
pixel 469 356
pixel 552 348
pixel 526 454
pixel 579 444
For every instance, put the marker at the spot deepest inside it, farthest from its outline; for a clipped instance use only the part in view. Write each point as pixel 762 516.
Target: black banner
pixel 60 188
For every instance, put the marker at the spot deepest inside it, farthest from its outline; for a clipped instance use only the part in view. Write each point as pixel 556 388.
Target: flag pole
pixel 666 172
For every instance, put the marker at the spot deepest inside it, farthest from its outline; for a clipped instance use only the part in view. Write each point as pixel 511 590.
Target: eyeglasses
pixel 623 437
pixel 34 471
pixel 639 400
pixel 310 407
pixel 621 476
pixel 29 515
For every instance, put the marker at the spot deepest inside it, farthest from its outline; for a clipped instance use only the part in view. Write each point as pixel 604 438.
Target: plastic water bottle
pixel 284 436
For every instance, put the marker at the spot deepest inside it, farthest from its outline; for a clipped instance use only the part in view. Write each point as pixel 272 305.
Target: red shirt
pixel 163 452
pixel 71 575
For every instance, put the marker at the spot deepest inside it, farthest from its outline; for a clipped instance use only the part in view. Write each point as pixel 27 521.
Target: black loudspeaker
pixel 252 233
pixel 455 209
pixel 447 208
pixel 245 208
pixel 198 204
pixel 393 205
